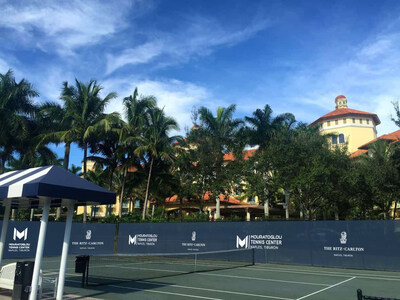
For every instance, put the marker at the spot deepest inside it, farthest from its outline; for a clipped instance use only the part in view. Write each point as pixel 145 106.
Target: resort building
pixel 348 126
pixel 345 126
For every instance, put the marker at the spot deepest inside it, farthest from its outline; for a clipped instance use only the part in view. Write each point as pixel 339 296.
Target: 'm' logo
pixel 343 237
pixel 242 243
pixel 19 235
pixel 88 234
pixel 132 240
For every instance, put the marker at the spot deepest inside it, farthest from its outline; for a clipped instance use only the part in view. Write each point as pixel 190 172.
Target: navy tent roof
pixel 28 188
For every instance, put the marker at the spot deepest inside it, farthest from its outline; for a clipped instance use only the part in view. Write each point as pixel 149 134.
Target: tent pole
pixel 7 204
pixel 64 255
pixel 39 249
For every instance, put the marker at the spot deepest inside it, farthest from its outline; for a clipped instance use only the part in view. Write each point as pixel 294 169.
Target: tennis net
pixel 109 269
pixel 360 296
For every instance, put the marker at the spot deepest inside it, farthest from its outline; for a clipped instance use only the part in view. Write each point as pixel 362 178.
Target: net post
pixel 359 294
pixel 195 262
pixel 253 255
pixel 83 278
pixel 87 271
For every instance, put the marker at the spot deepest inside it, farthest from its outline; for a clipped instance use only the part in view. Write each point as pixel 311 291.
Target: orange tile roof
pixel 341 112
pixel 223 198
pixel 393 136
pixel 358 153
pixel 340 97
pixel 246 155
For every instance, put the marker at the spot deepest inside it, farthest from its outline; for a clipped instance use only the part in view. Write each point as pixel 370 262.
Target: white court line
pixel 198 288
pixel 288 270
pixel 261 279
pixel 329 287
pixel 211 290
pixel 158 292
pixel 222 275
pixel 73 268
pixel 200 264
pixel 138 268
pixel 327 273
pixel 295 271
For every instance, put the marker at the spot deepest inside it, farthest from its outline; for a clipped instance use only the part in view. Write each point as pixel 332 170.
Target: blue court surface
pixel 169 280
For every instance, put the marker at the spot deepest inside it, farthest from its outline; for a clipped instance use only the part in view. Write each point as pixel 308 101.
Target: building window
pixel 334 140
pixel 344 121
pixel 360 121
pixel 328 123
pixel 341 138
pixel 336 122
pixel 368 121
pixel 354 120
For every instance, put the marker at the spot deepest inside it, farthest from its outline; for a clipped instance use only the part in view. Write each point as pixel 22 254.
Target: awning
pixel 45 187
pixel 28 188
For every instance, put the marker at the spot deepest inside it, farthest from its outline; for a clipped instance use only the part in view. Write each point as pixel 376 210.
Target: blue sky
pixel 295 56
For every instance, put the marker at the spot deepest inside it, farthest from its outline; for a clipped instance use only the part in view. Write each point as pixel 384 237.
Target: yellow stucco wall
pixel 357 131
pixel 101 209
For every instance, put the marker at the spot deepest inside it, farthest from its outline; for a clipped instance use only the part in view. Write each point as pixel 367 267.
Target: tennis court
pixel 267 281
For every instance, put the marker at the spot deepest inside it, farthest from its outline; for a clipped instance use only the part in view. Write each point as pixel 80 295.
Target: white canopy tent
pixel 47 187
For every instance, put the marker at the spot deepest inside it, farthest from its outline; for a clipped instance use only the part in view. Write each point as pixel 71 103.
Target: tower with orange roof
pixel 347 125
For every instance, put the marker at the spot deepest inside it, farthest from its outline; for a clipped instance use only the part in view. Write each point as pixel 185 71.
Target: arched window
pixel 334 140
pixel 341 138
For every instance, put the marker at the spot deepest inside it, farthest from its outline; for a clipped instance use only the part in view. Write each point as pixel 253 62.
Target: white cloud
pixel 369 77
pixel 196 37
pixel 377 48
pixel 50 88
pixel 4 66
pixel 63 26
pixel 177 97
pixel 139 55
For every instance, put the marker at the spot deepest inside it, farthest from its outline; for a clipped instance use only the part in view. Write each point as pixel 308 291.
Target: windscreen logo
pixel 143 239
pixel 132 240
pixel 343 238
pixel 242 243
pixel 20 235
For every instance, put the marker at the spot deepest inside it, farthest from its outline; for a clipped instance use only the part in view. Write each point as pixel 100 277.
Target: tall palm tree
pixel 262 126
pixel 383 175
pixel 109 158
pixel 15 106
pixel 221 133
pixel 222 128
pixel 55 117
pixel 261 129
pixel 29 154
pixel 155 144
pixel 137 114
pixel 85 107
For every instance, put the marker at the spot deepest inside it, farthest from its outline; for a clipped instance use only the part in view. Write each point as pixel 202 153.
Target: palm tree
pixel 85 107
pixel 15 106
pixel 55 117
pixel 29 154
pixel 263 126
pixel 222 128
pixel 382 174
pixel 137 113
pixel 109 158
pixel 155 144
pixel 77 170
pixel 220 132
